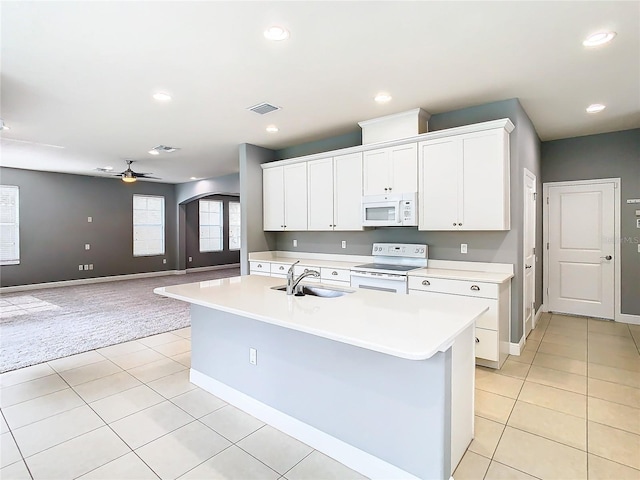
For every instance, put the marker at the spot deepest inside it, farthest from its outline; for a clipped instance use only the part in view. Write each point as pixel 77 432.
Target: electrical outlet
pixel 344 244
pixel 295 243
pixel 191 259
pixel 463 248
pixel 89 219
pixel 164 260
pixel 87 246
pixel 253 356
pixel 91 266
pixel 80 267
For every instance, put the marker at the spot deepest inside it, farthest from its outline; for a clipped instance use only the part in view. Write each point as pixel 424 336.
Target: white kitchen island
pixel 381 382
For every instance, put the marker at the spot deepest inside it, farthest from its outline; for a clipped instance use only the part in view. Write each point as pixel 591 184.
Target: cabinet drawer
pixel 487 344
pixel 336 283
pixel 280 268
pixel 455 287
pixel 488 320
pixel 260 267
pixel 335 274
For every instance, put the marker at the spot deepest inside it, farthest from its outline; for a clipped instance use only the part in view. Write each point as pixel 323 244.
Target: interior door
pixel 581 248
pixel 529 254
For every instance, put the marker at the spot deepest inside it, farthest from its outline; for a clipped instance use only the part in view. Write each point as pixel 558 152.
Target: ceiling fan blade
pixel 147 176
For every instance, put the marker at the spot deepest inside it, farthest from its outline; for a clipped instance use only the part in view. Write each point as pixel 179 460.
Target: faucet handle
pixel 290 271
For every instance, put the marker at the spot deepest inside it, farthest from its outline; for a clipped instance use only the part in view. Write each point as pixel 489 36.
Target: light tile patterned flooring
pixel 567 408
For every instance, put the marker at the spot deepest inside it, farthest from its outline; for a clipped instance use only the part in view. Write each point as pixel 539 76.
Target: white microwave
pixel 393 210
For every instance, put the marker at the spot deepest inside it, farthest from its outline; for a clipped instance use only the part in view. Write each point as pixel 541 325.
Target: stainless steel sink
pixel 317 291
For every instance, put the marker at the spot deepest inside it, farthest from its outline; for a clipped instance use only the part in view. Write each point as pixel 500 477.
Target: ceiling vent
pixel 263 108
pixel 165 149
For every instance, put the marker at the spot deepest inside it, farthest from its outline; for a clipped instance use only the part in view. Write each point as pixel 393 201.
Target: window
pixel 148 225
pixel 9 226
pixel 234 226
pixel 210 214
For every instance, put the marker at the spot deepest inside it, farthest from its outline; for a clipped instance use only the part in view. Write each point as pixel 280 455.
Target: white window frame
pixel 14 192
pixel 206 224
pixel 149 219
pixel 237 226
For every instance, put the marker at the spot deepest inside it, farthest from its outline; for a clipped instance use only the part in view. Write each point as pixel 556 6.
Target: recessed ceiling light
pixel 162 96
pixel 595 108
pixel 599 38
pixel 382 97
pixel 276 33
pixel 272 129
pixel 154 152
pixel 5 127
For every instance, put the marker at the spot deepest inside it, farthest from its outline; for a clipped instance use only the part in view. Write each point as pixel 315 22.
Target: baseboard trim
pixel 516 348
pixel 628 318
pixel 214 267
pixel 112 278
pixel 352 457
pixel 537 316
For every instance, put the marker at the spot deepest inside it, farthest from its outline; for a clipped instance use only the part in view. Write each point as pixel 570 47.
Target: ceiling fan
pixel 128 175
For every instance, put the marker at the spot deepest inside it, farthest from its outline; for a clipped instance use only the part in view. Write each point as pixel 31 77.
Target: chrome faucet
pixel 293 283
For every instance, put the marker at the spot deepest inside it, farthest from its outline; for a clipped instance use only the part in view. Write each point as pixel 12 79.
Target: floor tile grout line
pixel 22 458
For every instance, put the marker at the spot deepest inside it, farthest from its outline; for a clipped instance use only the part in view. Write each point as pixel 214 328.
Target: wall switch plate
pixel 86 267
pixel 89 219
pixel 463 248
pixel 638 223
pixel 295 243
pixel 637 213
pixel 80 267
pixel 253 356
pixel 344 244
pixel 91 266
pixel 87 246
pixel 164 260
pixel 191 259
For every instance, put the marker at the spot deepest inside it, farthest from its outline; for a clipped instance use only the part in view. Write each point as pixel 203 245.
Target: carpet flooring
pixel 41 325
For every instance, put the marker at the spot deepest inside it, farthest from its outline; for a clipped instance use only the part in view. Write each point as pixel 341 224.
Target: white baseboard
pixel 537 316
pixel 352 457
pixel 628 318
pixel 516 348
pixel 214 267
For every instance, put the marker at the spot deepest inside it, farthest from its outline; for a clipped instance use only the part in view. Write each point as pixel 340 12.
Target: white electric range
pixel 391 264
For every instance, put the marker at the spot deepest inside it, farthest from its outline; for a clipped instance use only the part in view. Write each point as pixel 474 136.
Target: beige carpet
pixel 41 325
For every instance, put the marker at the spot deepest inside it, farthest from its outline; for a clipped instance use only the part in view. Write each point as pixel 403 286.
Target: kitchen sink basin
pixel 317 291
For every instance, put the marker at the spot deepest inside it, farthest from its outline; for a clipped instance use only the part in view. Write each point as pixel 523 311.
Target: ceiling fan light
pixel 154 152
pixel 128 179
pixel 276 33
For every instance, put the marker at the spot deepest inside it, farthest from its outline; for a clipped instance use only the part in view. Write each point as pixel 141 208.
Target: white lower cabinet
pixel 335 276
pixel 492 328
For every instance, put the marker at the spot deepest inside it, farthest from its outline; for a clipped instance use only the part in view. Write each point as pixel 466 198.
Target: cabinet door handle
pixel 608 257
pixel 477 340
pixel 426 282
pixel 454 224
pixel 334 273
pixel 527 266
pixel 386 189
pixel 281 267
pixel 259 265
pixel 390 189
pixel 475 288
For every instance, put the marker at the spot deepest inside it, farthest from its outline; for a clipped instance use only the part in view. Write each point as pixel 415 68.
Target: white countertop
pixel 405 326
pixel 472 276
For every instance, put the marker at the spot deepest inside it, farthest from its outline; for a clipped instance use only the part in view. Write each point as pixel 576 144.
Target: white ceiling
pixel 81 74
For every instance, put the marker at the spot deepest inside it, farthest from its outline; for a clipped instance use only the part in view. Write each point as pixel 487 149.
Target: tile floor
pixel 567 408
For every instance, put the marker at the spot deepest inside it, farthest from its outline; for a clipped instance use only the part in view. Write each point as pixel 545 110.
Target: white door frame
pixel 618 315
pixel 531 175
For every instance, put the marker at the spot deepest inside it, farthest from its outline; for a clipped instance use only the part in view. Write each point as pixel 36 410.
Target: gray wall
pixel 608 155
pixel 499 247
pixel 254 239
pixel 53 227
pixel 206 259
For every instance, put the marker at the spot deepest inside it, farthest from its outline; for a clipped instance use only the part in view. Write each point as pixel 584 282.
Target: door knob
pixel 527 266
pixel 607 257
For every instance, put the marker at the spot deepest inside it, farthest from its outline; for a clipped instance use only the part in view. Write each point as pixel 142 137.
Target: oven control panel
pixel 410 250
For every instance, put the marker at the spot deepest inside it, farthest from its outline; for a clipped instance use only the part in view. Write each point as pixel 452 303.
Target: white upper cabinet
pixel 320 189
pixel 464 182
pixel 347 192
pixel 391 170
pixel 335 193
pixel 285 197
